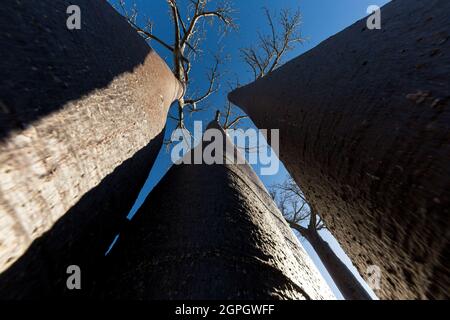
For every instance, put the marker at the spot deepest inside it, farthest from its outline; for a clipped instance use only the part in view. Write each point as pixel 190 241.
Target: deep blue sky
pixel 321 19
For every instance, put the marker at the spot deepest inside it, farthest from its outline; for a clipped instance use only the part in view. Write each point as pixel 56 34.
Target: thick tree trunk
pixel 210 232
pixel 344 279
pixel 82 115
pixel 364 123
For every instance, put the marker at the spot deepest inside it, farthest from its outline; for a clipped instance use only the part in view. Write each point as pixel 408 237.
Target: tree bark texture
pixel 82 115
pixel 211 232
pixel 364 123
pixel 344 279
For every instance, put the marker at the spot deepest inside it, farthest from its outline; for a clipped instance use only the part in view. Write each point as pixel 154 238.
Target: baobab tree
pixel 364 127
pixel 203 233
pixel 82 119
pixel 188 33
pixel 307 222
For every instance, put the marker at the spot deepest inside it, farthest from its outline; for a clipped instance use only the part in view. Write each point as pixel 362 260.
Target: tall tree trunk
pixel 210 232
pixel 364 123
pixel 344 279
pixel 82 115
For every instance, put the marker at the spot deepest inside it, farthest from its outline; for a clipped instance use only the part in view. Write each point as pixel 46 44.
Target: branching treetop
pixel 266 55
pixel 188 34
pixel 268 52
pixel 294 207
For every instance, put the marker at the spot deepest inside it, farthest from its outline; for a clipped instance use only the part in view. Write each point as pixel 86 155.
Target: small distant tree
pixel 295 209
pixel 189 31
pixel 303 218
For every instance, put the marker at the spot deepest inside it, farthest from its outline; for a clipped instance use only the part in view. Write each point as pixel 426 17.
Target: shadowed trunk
pixel 82 115
pixel 344 279
pixel 364 123
pixel 210 232
pixel 90 225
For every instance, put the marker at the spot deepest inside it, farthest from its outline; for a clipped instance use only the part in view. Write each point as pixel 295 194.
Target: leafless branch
pixel 146 31
pixel 268 53
pixel 236 121
pixel 212 88
pixel 229 123
pixel 186 41
pixel 294 207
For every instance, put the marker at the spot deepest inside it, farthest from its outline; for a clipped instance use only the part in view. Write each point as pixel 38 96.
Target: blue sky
pixel 321 19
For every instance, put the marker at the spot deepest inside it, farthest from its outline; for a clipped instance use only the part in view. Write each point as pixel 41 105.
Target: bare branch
pixel 149 36
pixel 212 77
pixel 228 114
pixel 183 25
pixel 302 230
pixel 145 32
pixel 228 123
pixel 270 49
pixel 320 225
pixel 222 13
pixel 294 207
pixel 235 121
pixel 188 33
